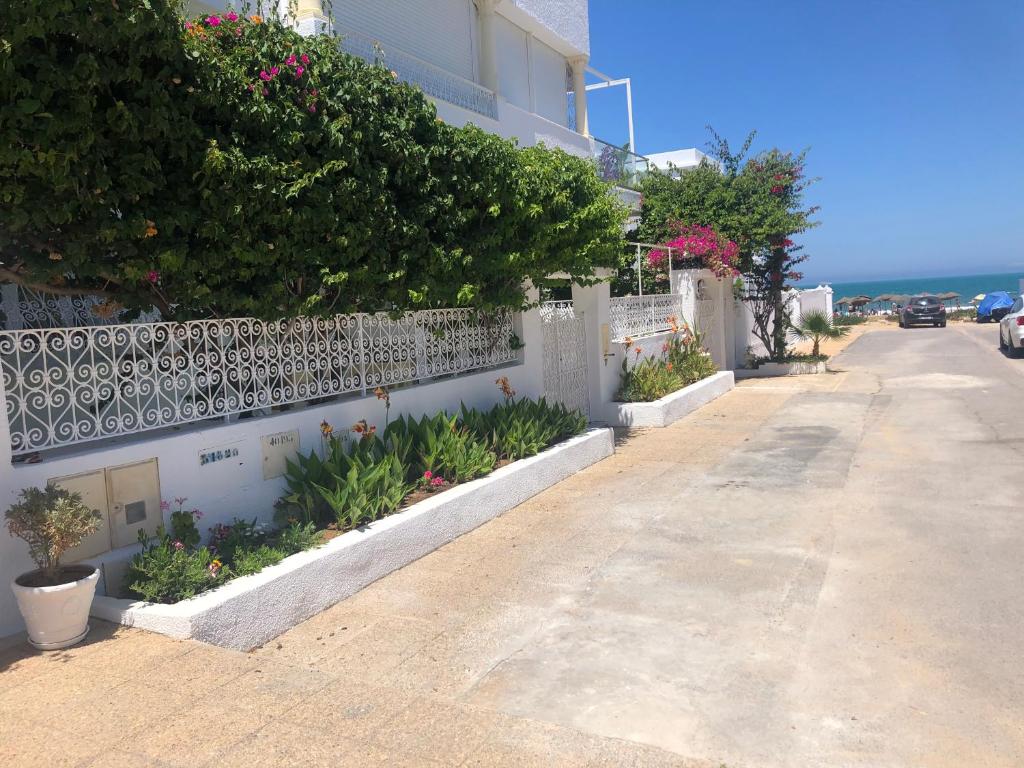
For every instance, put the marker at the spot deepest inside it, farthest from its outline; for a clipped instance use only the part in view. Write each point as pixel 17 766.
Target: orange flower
pixel 150 228
pixel 505 387
pixel 256 19
pixel 668 366
pixel 628 341
pixel 326 429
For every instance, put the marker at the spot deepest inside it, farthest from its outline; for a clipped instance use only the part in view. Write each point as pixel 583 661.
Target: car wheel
pixel 942 324
pixel 1011 351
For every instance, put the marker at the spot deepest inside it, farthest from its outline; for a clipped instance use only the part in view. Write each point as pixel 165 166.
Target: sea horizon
pixel 968 286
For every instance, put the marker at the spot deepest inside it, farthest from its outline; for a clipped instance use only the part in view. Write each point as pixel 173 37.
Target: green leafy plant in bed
pixel 363 475
pixel 683 361
pixel 172 566
pixel 516 429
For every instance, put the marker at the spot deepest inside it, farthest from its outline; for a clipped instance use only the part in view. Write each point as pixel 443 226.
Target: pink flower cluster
pixel 693 241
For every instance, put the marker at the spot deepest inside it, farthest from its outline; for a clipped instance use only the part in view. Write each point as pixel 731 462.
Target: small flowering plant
pixel 431 482
pixel 183 523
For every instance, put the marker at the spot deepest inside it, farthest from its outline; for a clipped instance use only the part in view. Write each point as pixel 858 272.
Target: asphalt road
pixel 840 587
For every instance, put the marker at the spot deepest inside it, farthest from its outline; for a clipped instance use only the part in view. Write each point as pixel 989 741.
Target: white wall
pixel 819 298
pixel 549 83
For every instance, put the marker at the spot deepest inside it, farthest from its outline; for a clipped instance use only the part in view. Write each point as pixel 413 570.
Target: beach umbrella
pixel 883 297
pixel 899 298
pixel 858 301
pixel 978 298
pixel 949 295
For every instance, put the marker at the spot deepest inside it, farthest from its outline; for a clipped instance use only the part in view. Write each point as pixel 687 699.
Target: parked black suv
pixel 923 310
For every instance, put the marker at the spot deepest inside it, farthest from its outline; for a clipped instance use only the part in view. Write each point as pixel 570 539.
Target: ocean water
pixel 968 286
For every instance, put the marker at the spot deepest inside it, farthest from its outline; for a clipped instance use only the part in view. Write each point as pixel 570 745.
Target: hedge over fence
pixel 229 166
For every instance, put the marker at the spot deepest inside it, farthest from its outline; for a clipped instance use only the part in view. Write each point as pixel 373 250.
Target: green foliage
pixel 516 429
pixel 51 521
pixel 368 491
pixel 816 326
pixel 249 561
pixel 166 572
pixel 682 361
pixel 358 481
pixel 242 169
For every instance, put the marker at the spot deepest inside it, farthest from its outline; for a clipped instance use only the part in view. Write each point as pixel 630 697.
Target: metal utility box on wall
pixel 128 498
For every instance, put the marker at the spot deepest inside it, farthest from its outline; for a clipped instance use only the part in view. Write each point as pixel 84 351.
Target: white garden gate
pixel 565 356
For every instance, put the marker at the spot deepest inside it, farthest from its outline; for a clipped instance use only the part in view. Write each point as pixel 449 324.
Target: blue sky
pixel 913 112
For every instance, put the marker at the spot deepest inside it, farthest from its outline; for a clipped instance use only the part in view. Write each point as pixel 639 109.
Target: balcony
pixel 433 80
pixel 619 166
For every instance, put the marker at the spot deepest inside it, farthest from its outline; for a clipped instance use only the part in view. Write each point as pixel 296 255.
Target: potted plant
pixel 54 600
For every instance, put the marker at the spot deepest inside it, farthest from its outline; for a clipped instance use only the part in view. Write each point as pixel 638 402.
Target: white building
pixel 678 159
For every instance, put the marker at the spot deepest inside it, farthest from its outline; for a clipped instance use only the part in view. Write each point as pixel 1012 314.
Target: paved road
pixel 813 571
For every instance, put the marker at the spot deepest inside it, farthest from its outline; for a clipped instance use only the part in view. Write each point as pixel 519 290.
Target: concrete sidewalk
pixel 777 580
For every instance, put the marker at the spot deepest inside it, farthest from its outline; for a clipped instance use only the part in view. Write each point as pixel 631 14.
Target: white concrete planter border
pixel 670 408
pixel 765 370
pixel 248 611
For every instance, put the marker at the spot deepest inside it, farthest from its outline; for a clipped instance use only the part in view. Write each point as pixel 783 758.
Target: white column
pixel 310 18
pixel 579 88
pixel 488 44
pixel 531 334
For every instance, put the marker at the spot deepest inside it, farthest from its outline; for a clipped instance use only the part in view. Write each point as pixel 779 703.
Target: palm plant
pixel 815 325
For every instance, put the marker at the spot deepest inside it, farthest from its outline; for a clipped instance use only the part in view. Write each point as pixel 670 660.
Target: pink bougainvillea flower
pixel 153 277
pixel 299 71
pixel 312 108
pixel 290 61
pixel 427 475
pixel 178 545
pixel 231 16
pixel 274 70
pixel 213 21
pixel 188 25
pixel 265 76
pixel 437 481
pixel 304 59
pixel 251 87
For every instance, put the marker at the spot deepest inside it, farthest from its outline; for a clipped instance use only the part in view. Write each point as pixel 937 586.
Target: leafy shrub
pixel 226 541
pixel 234 167
pixel 51 521
pixel 249 561
pixel 298 537
pixel 683 361
pixel 166 571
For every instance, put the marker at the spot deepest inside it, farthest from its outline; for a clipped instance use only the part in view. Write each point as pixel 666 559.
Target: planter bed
pixel 248 611
pixel 661 413
pixel 765 370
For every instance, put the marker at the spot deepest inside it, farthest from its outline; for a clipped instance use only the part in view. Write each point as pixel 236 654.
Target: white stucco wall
pixel 819 298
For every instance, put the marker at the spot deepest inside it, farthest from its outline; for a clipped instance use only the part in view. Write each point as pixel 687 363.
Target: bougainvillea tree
pixel 229 166
pixel 755 203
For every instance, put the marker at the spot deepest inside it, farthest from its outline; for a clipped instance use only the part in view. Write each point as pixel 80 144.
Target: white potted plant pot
pixel 54 600
pixel 56 616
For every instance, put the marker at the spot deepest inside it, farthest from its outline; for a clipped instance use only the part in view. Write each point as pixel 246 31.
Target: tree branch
pixel 57 290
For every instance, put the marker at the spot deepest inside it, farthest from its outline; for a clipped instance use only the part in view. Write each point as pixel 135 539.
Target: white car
pixel 1011 328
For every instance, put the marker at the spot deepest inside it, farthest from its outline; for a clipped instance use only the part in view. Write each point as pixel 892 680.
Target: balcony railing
pixel 433 80
pixel 619 166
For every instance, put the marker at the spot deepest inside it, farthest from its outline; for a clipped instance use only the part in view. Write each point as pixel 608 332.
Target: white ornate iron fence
pixel 73 385
pixel 565 355
pixel 433 80
pixel 642 315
